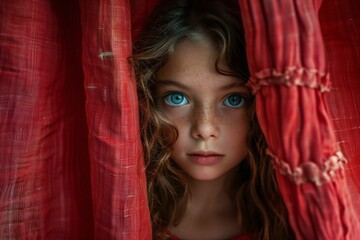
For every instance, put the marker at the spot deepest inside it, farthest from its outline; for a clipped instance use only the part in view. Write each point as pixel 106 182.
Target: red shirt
pixel 247 236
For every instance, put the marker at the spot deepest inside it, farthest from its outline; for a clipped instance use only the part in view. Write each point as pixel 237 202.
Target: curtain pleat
pixel 44 168
pixel 117 167
pixel 287 63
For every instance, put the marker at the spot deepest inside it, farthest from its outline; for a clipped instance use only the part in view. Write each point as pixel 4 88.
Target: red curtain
pixel 340 24
pixel 45 190
pixel 71 162
pixel 289 76
pixel 70 155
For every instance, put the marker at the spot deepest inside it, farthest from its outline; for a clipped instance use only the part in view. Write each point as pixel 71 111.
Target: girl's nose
pixel 205 124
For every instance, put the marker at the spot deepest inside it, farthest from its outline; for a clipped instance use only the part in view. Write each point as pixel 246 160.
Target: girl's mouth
pixel 205 158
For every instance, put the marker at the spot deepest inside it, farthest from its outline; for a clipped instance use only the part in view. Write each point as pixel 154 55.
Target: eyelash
pixel 170 97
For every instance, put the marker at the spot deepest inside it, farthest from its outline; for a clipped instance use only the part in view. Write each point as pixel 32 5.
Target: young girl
pixel 208 174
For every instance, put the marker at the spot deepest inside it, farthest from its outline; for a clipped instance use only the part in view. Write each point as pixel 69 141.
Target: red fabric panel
pixel 117 167
pixel 140 10
pixel 287 62
pixel 340 23
pixel 44 169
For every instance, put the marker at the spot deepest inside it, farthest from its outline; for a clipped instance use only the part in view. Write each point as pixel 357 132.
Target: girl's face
pixel 209 110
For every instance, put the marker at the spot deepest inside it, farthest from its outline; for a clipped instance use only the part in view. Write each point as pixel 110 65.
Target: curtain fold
pixel 117 166
pixel 287 62
pixel 44 168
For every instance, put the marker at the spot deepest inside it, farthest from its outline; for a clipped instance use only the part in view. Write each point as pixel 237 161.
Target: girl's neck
pixel 206 196
pixel 210 211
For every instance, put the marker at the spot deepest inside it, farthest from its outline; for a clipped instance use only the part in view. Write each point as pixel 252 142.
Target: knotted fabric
pixel 286 56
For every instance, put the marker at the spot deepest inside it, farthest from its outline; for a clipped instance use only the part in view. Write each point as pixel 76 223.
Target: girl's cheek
pixel 175 113
pixel 234 117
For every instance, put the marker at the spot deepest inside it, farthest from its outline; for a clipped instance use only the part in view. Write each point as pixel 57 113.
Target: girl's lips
pixel 206 158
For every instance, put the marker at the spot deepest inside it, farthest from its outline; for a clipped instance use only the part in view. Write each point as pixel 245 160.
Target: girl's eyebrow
pixel 234 85
pixel 171 82
pixel 165 82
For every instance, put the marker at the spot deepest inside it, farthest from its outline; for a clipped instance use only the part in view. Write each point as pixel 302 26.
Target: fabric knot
pixel 311 171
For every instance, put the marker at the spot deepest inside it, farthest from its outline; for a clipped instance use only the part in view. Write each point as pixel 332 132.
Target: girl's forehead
pixel 192 65
pixel 201 44
pixel 193 55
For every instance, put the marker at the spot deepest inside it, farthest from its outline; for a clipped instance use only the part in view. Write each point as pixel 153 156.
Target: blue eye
pixel 175 99
pixel 234 101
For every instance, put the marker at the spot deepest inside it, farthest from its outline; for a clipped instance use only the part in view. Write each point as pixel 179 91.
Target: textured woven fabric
pixel 117 168
pixel 289 75
pixel 70 155
pixel 340 23
pixel 70 165
pixel 44 164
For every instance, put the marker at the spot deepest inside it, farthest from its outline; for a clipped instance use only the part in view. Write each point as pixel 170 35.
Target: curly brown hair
pixel 255 190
